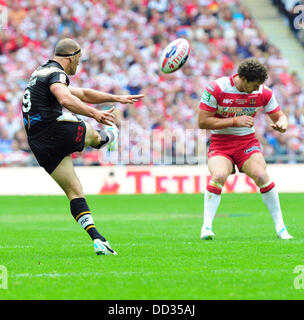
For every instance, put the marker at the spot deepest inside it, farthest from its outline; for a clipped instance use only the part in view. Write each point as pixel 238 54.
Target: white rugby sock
pixel 211 203
pixel 270 197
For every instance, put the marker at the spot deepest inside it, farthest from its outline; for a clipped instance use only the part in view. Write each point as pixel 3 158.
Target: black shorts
pixel 62 139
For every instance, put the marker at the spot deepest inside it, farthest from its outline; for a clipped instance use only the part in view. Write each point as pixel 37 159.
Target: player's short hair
pixel 252 70
pixel 66 47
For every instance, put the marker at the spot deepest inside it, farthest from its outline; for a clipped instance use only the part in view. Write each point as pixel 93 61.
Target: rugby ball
pixel 175 55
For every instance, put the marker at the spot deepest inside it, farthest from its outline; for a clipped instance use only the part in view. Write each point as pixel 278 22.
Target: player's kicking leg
pixel 65 176
pixel 220 168
pixel 255 167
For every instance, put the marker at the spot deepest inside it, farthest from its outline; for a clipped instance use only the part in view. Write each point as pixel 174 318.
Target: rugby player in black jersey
pixel 53 136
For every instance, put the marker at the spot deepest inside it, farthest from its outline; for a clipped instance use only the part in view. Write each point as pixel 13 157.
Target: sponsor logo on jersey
pixel 228 101
pixel 241 101
pixel 206 96
pixel 252 102
pixel 248 110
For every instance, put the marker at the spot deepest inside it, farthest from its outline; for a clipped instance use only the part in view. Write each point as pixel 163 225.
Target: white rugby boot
pixel 207 234
pixel 103 247
pixel 283 234
pixel 112 132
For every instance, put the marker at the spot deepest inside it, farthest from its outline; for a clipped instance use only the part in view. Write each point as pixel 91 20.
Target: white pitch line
pixel 120 273
pixel 73 274
pixel 15 247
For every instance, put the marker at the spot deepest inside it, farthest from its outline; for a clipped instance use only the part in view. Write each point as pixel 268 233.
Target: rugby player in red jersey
pixel 227 108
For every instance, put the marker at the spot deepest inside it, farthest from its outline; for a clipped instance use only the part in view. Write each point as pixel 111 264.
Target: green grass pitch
pixel 160 254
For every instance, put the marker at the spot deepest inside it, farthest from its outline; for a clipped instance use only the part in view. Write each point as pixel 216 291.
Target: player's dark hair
pixel 252 70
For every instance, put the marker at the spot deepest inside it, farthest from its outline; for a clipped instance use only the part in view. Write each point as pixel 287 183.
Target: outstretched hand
pixel 129 98
pixel 107 117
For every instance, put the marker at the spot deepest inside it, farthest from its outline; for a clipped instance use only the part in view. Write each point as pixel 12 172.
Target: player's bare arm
pixel 208 120
pixel 75 105
pixel 280 122
pixel 95 97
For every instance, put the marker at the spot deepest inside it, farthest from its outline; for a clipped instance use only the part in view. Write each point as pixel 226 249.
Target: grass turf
pixel 160 254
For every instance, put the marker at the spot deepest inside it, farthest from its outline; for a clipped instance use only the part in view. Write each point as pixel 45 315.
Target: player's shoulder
pixel 266 93
pixel 223 82
pixel 265 90
pixel 48 69
pixel 218 86
pixel 50 73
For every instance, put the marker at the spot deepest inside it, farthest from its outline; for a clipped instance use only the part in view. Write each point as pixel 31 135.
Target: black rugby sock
pixel 82 214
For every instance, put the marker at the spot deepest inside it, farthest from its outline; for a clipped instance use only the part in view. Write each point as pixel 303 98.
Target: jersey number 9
pixel 26 102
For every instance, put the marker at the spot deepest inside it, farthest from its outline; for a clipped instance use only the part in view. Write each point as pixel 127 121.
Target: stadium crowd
pixel 121 43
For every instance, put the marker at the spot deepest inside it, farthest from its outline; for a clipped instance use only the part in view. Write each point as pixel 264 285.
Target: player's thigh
pixel 92 136
pixel 255 168
pixel 220 168
pixel 66 178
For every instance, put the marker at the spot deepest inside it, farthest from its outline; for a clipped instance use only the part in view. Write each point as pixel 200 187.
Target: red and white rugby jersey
pixel 222 97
